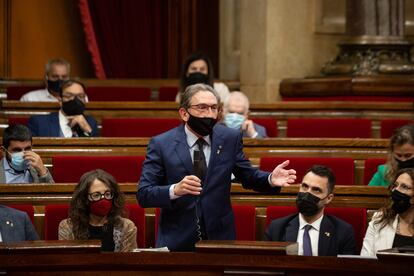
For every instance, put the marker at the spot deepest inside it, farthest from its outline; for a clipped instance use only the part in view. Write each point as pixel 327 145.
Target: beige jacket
pixel 125 234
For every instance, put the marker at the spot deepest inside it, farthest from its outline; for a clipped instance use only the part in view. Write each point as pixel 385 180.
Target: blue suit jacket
pixel 16 226
pixel 48 125
pixel 168 161
pixel 340 240
pixel 261 131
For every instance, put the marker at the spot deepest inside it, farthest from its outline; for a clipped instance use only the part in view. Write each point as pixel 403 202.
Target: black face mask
pixel 73 107
pixel 54 85
pixel 307 204
pixel 405 164
pixel 400 201
pixel 202 126
pixel 195 78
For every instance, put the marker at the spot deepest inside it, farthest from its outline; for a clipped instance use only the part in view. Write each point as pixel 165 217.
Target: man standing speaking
pixel 187 173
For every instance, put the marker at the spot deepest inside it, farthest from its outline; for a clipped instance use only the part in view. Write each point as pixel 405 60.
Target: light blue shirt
pixel 16 177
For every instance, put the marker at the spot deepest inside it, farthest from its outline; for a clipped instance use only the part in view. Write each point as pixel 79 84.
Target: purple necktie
pixel 307 247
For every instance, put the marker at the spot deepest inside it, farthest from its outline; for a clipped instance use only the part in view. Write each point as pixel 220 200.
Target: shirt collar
pixel 62 117
pixel 192 138
pixel 9 169
pixel 315 225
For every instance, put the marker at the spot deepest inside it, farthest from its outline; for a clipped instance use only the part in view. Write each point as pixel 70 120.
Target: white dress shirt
pixel 64 125
pixel 41 95
pixel 313 234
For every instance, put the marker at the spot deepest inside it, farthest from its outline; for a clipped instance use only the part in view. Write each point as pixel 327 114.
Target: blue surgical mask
pixel 234 120
pixel 18 163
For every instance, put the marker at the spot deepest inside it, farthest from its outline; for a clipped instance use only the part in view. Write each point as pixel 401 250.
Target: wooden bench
pixel 358 149
pixel 375 111
pixel 39 195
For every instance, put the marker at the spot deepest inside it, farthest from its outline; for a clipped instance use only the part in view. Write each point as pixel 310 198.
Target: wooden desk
pixel 49 247
pixel 160 263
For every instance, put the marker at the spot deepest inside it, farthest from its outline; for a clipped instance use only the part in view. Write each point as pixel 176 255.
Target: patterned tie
pixel 200 165
pixel 307 247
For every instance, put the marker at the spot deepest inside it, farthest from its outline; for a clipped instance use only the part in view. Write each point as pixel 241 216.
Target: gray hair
pixel 56 61
pixel 237 96
pixel 191 90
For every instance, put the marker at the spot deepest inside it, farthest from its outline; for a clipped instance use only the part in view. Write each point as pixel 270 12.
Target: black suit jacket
pixel 335 235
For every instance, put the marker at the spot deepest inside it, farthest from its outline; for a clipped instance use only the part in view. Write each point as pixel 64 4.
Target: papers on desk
pixel 357 257
pixel 160 249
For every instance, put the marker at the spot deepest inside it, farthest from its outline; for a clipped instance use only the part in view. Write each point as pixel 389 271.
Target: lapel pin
pixel 327 234
pixel 219 149
pixel 9 223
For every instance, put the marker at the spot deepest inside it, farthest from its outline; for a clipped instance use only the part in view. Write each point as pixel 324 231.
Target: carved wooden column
pixel 376 43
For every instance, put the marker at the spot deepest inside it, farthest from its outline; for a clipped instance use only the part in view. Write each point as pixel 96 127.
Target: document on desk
pixel 160 249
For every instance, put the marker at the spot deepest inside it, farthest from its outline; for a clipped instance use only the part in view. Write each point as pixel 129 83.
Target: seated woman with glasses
pixel 95 213
pixel 393 225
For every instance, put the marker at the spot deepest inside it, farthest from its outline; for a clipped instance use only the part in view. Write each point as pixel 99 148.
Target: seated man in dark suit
pixel 236 112
pixel 316 233
pixel 20 164
pixel 15 226
pixel 70 120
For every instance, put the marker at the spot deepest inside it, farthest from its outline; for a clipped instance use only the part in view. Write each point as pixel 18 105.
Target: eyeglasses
pixel 403 187
pixel 68 96
pixel 96 196
pixel 205 107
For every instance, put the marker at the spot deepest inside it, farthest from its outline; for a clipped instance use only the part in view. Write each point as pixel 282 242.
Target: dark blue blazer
pixel 168 161
pixel 335 235
pixel 48 125
pixel 16 226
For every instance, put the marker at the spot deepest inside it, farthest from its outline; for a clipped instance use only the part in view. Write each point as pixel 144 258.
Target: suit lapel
pixel 292 230
pixel 326 236
pixel 216 147
pixel 6 227
pixel 183 150
pixel 55 125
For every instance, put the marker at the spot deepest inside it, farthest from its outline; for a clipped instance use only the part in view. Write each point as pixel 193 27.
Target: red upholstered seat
pixel 16 92
pixel 123 168
pixel 357 217
pixel 269 123
pixel 389 125
pixel 167 93
pixel 25 208
pixel 137 215
pixel 18 120
pixel 54 214
pixel 244 219
pixel 137 127
pixel 370 168
pixel 115 93
pixel 329 128
pixel 343 168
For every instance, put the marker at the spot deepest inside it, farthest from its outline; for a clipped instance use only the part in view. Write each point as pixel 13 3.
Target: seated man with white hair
pixel 236 111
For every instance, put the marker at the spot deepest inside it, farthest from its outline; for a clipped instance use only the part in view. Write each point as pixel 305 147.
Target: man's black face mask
pixel 73 107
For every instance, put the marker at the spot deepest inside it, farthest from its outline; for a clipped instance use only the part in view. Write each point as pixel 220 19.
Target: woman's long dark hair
pixel 388 214
pixel 79 205
pixel 193 57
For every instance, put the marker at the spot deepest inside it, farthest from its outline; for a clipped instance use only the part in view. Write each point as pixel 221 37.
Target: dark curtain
pixel 148 38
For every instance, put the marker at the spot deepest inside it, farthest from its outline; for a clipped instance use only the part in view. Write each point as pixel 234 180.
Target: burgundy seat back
pixel 245 222
pixel 123 168
pixel 109 93
pixel 389 125
pixel 137 215
pixel 18 121
pixel 137 127
pixel 17 91
pixel 329 128
pixel 24 208
pixel 343 168
pixel 357 217
pixel 167 93
pixel 54 214
pixel 371 167
pixel 270 124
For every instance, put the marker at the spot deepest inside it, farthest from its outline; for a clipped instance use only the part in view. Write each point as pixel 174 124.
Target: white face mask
pixel 234 120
